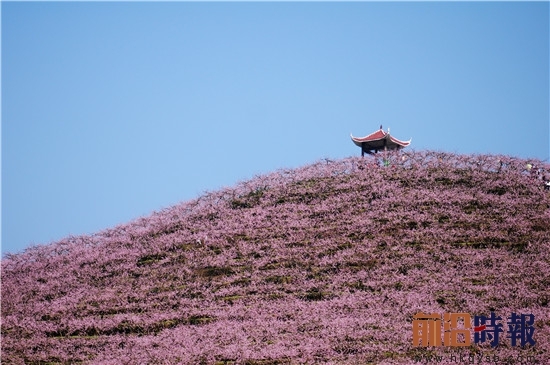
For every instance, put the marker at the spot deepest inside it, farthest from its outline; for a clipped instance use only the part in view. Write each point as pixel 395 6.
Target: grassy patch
pixel 356 266
pixel 278 279
pixel 315 294
pixel 512 246
pixel 232 298
pixel 249 200
pixel 200 320
pixel 150 259
pixel 213 271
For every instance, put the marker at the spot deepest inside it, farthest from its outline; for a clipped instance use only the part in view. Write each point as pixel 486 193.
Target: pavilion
pixel 379 141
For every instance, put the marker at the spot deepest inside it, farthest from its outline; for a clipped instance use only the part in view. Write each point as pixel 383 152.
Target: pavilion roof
pixel 379 139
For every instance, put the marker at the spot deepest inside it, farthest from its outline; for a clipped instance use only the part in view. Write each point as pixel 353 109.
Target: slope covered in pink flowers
pixel 325 264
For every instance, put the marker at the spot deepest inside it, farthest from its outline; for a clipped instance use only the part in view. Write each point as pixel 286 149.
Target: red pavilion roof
pixel 379 140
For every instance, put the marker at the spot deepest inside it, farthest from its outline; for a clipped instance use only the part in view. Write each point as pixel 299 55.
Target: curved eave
pixel 401 143
pixel 374 140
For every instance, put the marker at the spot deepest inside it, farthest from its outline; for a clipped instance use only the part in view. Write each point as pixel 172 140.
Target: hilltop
pixel 324 264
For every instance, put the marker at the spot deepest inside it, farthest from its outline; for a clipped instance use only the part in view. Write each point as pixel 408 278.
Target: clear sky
pixel 111 111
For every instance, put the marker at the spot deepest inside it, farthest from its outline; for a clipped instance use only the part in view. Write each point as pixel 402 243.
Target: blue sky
pixel 111 111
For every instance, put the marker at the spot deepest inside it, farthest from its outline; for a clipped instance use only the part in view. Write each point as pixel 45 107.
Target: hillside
pixel 325 264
